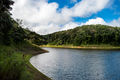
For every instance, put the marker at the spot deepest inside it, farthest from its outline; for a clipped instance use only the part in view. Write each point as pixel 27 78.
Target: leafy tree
pixel 5 27
pixel 5 20
pixel 5 5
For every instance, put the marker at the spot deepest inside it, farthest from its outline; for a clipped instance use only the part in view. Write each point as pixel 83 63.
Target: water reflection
pixel 70 64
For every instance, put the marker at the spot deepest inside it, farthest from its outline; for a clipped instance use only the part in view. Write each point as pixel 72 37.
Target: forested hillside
pixel 16 47
pixel 86 35
pixel 12 33
pixel 35 38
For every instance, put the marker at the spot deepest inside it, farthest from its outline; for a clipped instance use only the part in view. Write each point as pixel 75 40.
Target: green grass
pixel 12 65
pixel 93 46
pixel 15 65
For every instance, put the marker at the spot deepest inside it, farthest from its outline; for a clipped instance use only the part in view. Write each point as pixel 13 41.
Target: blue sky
pixel 48 16
pixel 108 14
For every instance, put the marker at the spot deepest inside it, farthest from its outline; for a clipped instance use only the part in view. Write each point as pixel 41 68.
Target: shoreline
pixel 15 62
pixel 37 75
pixel 83 47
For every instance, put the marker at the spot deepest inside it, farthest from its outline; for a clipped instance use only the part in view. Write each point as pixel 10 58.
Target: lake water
pixel 71 64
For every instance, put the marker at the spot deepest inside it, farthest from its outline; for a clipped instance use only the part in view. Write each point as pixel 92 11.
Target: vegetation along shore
pixel 84 47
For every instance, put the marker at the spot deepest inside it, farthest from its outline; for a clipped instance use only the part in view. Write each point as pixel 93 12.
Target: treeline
pixel 35 38
pixel 86 35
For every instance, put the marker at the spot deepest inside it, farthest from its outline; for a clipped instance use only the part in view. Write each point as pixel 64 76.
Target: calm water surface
pixel 71 64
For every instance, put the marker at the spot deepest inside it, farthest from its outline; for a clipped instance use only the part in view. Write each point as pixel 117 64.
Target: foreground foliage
pixel 12 64
pixel 14 48
pixel 15 65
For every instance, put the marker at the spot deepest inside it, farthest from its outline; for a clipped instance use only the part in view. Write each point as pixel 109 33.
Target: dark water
pixel 71 64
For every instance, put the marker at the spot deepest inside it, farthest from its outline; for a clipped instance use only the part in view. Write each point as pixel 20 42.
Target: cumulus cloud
pixel 42 29
pixel 38 12
pixel 70 25
pixel 87 7
pixel 98 20
pixel 44 17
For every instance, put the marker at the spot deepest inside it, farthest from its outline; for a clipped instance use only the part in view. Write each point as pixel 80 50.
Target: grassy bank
pixel 99 47
pixel 15 65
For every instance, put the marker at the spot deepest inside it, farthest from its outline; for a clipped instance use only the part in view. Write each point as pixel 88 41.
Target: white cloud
pixel 38 12
pixel 70 25
pixel 46 29
pixel 43 17
pixel 98 20
pixel 87 7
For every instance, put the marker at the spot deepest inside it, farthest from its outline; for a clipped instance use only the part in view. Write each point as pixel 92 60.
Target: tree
pixel 5 5
pixel 5 20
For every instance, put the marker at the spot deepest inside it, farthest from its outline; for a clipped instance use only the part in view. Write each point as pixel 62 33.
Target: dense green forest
pixel 86 35
pixel 16 47
pixel 35 38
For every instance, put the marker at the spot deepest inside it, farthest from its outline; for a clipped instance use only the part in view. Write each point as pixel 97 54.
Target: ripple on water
pixel 71 64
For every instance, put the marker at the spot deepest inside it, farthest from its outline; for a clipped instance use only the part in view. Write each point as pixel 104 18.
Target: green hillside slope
pixel 86 35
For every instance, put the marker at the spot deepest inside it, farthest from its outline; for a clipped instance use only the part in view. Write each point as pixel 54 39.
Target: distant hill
pixel 35 38
pixel 84 35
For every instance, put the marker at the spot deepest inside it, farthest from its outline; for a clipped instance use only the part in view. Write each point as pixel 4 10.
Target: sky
pixel 48 16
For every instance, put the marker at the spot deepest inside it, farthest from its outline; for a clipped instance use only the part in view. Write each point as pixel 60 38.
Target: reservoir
pixel 74 64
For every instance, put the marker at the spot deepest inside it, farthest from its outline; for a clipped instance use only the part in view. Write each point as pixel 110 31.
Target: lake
pixel 73 64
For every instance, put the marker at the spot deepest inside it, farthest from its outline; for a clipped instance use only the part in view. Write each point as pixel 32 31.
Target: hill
pixel 86 35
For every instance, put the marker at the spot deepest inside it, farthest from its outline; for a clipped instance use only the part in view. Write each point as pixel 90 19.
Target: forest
pixel 86 35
